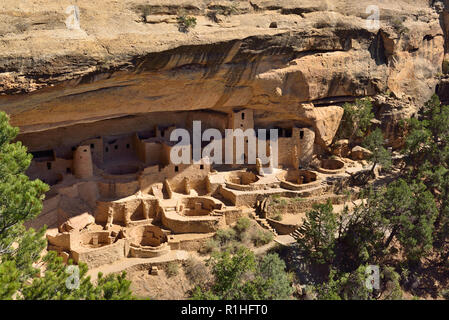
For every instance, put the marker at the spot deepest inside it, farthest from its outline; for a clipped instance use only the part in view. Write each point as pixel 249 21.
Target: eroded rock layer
pixel 286 60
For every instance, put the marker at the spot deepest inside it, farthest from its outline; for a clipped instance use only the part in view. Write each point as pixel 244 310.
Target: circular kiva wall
pixel 122 170
pixel 148 241
pixel 241 180
pixel 298 179
pixel 119 181
pixel 331 166
pixel 149 235
pixel 197 206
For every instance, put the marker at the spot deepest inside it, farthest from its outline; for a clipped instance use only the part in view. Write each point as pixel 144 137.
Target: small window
pixel 301 134
pixel 201 166
pixel 116 147
pixel 49 165
pixel 73 148
pixel 107 149
pixel 243 116
pixel 92 146
pixel 127 146
pixel 68 170
pixel 176 168
pixel 85 150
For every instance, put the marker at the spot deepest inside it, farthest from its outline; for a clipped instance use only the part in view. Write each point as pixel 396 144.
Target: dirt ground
pixel 289 218
pixel 160 287
pixel 170 287
pixel 293 213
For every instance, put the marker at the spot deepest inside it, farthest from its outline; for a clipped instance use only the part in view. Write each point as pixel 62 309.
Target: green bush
pixel 277 216
pixel 209 246
pixel 232 246
pixel 261 237
pixel 185 23
pixel 226 235
pixel 242 224
pixel 242 276
pixel 279 201
pixel 172 269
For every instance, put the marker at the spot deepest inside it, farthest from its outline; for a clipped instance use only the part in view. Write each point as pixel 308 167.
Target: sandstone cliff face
pixel 289 60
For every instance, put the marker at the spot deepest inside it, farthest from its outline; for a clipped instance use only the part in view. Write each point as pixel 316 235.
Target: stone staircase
pixel 295 234
pixel 262 222
pixel 288 240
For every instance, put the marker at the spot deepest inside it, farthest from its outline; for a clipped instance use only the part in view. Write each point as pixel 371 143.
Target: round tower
pixel 82 162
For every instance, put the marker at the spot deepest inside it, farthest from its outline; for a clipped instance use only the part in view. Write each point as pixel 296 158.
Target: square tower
pixel 242 119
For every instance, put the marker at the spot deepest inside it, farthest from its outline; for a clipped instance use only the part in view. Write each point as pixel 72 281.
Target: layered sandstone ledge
pixel 284 59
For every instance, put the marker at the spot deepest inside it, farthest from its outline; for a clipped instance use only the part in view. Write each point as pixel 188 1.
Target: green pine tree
pixel 356 120
pixel 318 234
pixel 374 142
pixel 243 277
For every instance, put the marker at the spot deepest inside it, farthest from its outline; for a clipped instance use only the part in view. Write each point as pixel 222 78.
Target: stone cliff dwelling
pixel 115 193
pixel 96 106
pixel 99 121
